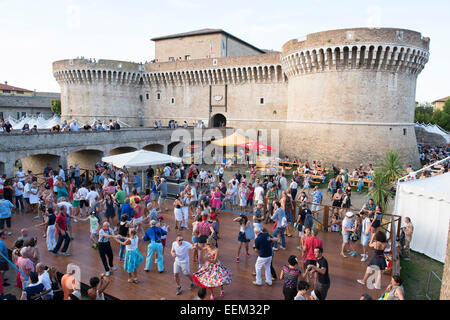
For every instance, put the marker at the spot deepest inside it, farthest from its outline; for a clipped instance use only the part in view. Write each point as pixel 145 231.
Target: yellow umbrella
pixel 231 140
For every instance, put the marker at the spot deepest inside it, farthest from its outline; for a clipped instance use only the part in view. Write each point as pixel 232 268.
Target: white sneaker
pixel 107 273
pixel 257 284
pixel 275 249
pixel 299 248
pixel 114 268
pixel 37 217
pixel 364 258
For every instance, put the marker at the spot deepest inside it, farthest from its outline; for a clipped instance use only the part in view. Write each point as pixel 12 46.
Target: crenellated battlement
pixel 229 70
pixel 385 49
pixel 369 56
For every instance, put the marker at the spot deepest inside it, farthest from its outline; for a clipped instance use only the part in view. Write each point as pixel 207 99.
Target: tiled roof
pixel 8 87
pixel 442 100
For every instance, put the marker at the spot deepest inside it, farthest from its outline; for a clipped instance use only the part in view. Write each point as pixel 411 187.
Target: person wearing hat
pixel 154 235
pixel 347 230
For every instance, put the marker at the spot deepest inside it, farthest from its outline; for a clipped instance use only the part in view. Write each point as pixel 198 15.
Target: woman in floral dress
pixel 213 274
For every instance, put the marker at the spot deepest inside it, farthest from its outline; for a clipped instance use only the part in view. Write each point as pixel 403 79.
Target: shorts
pixel 365 240
pixel 69 222
pixel 289 216
pixel 83 203
pixel 376 224
pixel 335 228
pixel 346 236
pixel 178 214
pixel 2 223
pixel 137 220
pixel 194 239
pixel 154 196
pixel 315 207
pixel 202 239
pixel 4 266
pixel 181 267
pixel 76 203
pixel 242 237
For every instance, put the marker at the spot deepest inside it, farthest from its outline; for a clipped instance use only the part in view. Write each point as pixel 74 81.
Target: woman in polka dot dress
pixel 213 274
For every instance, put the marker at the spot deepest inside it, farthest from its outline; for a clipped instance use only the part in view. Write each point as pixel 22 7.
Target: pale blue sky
pixel 33 34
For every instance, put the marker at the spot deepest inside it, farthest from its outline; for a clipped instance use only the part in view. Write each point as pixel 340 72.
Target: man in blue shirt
pixel 126 209
pixel 280 217
pixel 263 246
pixel 5 214
pixel 154 235
pixel 316 199
pixel 136 182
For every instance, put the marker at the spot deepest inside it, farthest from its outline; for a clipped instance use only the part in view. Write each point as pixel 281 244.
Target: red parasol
pixel 256 146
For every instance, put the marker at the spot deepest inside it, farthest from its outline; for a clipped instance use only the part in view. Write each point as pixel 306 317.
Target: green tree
pixel 381 191
pixel 385 176
pixel 56 106
pixel 423 112
pixel 391 167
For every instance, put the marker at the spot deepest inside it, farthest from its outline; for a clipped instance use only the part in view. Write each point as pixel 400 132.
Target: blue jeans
pixel 19 202
pixel 151 249
pixel 122 252
pixel 279 231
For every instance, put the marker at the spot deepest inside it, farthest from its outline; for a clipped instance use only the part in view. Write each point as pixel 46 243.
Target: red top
pixel 250 192
pixel 311 243
pixel 61 222
pixel 50 182
pixel 137 212
pixel 204 228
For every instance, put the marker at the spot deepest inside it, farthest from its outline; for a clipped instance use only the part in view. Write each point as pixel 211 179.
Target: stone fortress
pixel 343 96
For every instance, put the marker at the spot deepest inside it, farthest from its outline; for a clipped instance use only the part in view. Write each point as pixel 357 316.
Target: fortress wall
pixel 102 101
pixel 192 103
pixel 348 145
pixel 354 95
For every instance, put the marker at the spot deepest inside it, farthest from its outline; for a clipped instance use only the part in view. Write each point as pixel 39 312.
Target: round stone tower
pixel 102 90
pixel 351 95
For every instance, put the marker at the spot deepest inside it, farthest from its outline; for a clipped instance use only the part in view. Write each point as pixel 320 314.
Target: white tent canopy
pixel 140 158
pixel 427 203
pixel 433 128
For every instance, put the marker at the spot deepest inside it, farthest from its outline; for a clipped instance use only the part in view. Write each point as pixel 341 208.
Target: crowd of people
pixel 75 126
pixel 121 208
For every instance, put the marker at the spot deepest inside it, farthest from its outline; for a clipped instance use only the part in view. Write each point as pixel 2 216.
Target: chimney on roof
pixel 6 82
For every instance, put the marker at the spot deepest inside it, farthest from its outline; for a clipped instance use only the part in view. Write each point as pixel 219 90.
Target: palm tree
pixel 385 176
pixel 391 167
pixel 381 191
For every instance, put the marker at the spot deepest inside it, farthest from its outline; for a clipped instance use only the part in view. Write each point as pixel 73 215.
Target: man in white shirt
pixel 167 171
pixel 26 194
pixel 62 173
pixel 21 175
pixel 18 191
pixel 180 251
pixel 44 278
pixel 92 195
pixel 84 203
pixel 259 194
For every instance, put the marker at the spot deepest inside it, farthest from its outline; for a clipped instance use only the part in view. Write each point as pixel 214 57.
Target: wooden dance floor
pixel 153 285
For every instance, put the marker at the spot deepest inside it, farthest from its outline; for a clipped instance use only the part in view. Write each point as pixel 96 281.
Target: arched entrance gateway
pixel 218 121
